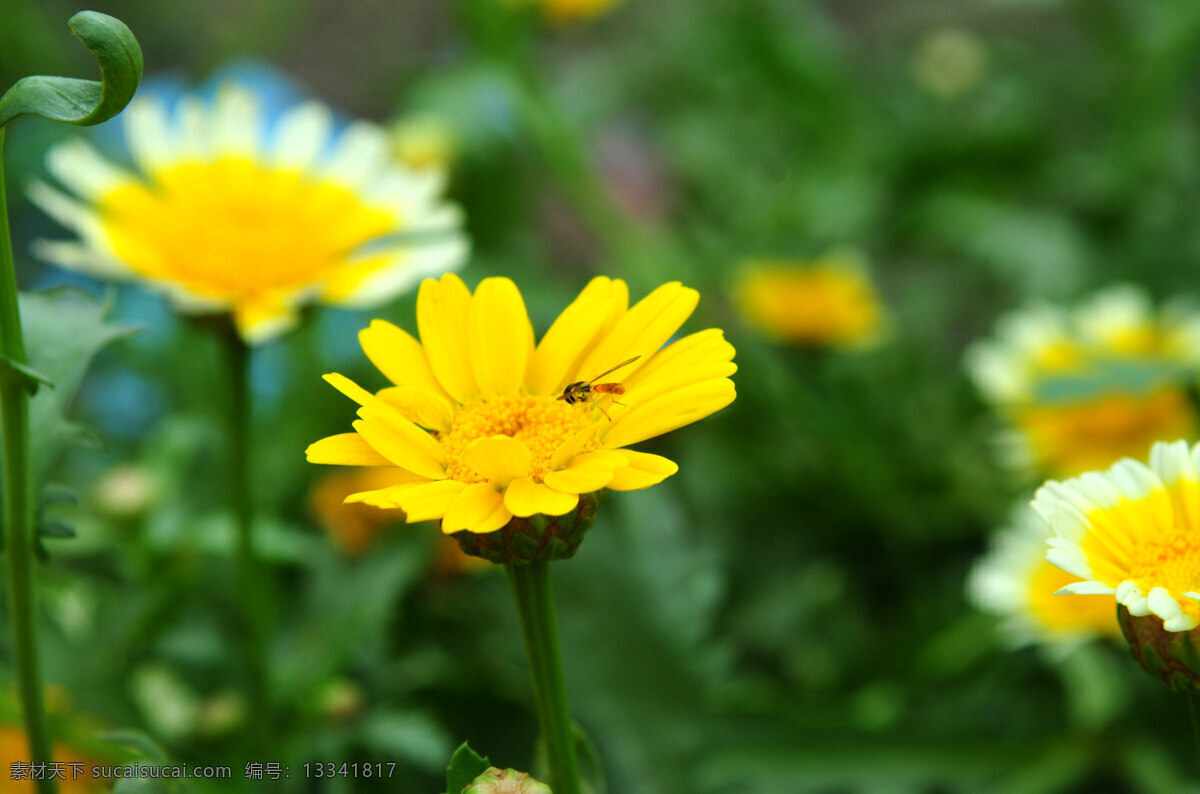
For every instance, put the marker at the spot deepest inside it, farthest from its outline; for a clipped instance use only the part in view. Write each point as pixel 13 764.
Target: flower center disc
pixel 1171 561
pixel 542 423
pixel 232 226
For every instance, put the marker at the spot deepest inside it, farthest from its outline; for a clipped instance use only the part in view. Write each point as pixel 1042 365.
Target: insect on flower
pixel 588 391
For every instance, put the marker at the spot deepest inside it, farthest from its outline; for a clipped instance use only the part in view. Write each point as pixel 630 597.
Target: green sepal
pixel 465 766
pixel 83 102
pixel 57 530
pixel 30 376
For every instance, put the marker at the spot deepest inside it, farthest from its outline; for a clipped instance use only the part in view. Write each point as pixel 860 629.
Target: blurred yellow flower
pixel 354 526
pixel 1081 389
pixel 475 415
pixel 228 213
pixel 950 62
pixel 1132 531
pixel 424 142
pixel 1015 582
pixel 567 11
pixel 830 301
pixel 14 748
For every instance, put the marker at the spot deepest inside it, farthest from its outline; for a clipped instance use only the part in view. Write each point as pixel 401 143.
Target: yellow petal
pixel 344 449
pixel 499 458
pixel 262 318
pixel 642 471
pixel 387 421
pixel 429 500
pixel 398 356
pixel 642 330
pixel 477 508
pixel 422 406
pixel 525 498
pixel 384 437
pixel 575 333
pixel 695 358
pixel 443 308
pixel 500 336
pixel 588 472
pixel 348 388
pixel 568 449
pixel 384 498
pixel 669 411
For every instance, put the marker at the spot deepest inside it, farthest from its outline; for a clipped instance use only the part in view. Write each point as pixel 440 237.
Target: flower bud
pixel 505 781
pixel 535 538
pixel 1172 657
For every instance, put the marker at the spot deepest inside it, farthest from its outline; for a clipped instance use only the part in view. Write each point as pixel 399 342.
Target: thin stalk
pixel 252 584
pixel 18 505
pixel 535 604
pixel 1193 699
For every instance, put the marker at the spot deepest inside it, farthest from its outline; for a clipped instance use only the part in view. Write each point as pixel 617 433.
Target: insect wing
pixel 624 363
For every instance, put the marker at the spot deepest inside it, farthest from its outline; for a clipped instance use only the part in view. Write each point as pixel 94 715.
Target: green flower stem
pixel 1193 698
pixel 18 503
pixel 535 603
pixel 252 582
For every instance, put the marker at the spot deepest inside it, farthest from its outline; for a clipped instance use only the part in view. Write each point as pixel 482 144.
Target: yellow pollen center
pixel 233 227
pixel 542 423
pixel 1171 561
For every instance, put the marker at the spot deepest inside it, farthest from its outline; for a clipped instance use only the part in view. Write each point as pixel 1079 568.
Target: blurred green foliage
pixel 787 613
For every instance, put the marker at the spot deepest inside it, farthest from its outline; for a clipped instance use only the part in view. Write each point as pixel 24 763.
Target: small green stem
pixel 535 603
pixel 1193 699
pixel 18 504
pixel 253 592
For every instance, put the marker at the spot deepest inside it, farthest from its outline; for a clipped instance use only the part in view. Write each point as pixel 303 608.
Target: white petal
pixel 148 131
pixel 1087 588
pixel 236 122
pixel 301 134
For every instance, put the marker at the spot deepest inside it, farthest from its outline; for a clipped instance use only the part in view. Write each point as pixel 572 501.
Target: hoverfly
pixel 587 391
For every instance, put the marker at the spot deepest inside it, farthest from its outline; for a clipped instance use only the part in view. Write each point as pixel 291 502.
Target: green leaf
pixel 56 529
pixel 410 735
pixel 465 766
pixel 144 747
pixel 64 329
pixel 32 377
pixel 83 102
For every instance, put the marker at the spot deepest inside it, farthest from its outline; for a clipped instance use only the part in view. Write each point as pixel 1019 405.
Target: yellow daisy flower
pixel 1014 581
pixel 475 414
pixel 828 302
pixel 227 213
pixel 1132 531
pixel 1086 387
pixel 562 12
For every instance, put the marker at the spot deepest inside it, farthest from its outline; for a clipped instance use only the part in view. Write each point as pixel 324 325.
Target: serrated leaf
pixel 465 766
pixel 64 329
pixel 83 102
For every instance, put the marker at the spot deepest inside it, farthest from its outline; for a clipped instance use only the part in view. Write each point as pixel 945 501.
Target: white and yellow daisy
pixel 1015 582
pixel 1132 531
pixel 225 212
pixel 1085 387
